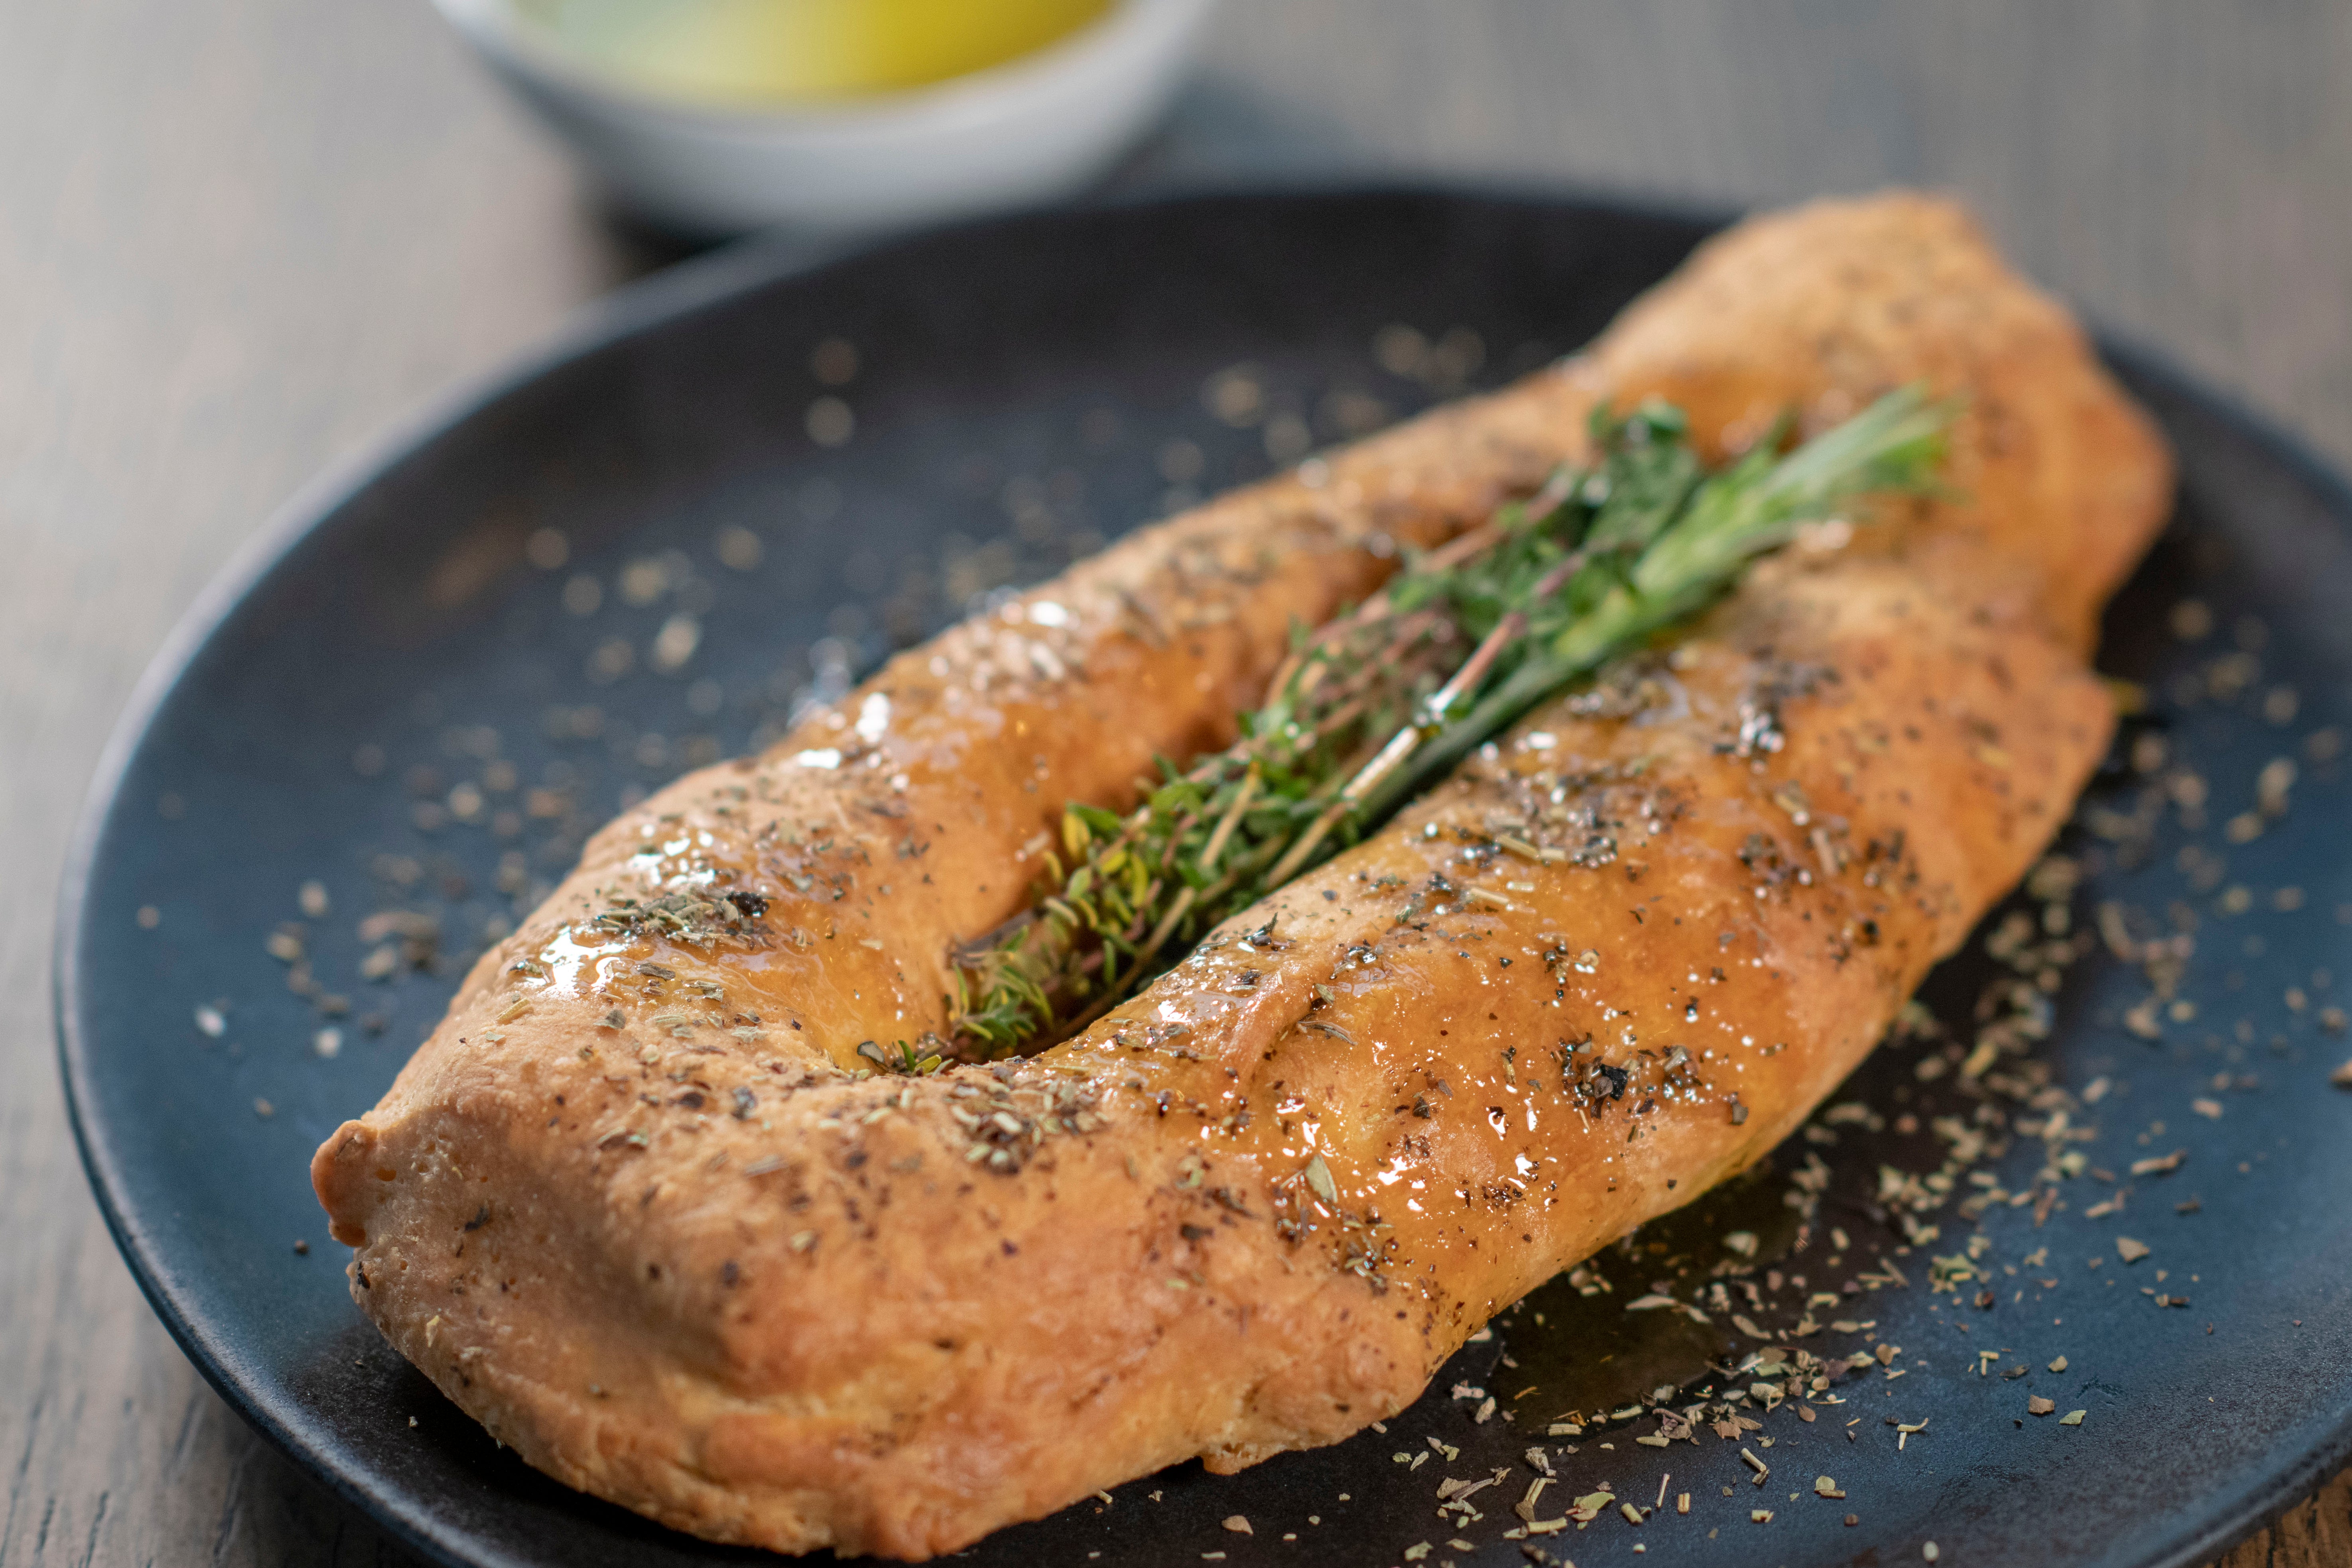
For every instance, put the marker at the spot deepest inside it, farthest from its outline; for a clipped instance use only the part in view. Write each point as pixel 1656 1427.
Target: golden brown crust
pixel 1824 307
pixel 692 1264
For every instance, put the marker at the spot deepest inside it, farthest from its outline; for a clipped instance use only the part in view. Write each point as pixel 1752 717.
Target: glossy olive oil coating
pixel 637 1207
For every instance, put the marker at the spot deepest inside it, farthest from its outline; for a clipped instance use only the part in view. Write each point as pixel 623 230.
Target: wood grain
pixel 237 239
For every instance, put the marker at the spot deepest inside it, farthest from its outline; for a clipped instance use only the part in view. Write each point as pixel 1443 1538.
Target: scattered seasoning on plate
pixel 2005 1076
pixel 830 421
pixel 834 362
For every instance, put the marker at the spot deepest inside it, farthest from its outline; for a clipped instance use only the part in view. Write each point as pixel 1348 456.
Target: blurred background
pixel 239 239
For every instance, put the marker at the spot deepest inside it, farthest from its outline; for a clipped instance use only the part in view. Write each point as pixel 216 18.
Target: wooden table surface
pixel 239 238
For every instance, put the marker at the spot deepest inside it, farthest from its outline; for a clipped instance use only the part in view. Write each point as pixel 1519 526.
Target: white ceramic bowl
pixel 1026 131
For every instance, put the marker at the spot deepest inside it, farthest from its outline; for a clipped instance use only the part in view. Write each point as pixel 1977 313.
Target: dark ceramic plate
pixel 635 554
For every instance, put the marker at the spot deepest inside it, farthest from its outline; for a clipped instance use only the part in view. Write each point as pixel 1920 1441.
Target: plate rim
pixel 660 301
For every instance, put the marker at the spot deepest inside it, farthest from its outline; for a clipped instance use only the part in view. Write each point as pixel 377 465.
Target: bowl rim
pixel 494 28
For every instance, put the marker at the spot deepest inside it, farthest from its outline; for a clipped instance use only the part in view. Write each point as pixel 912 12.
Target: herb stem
pixel 1216 846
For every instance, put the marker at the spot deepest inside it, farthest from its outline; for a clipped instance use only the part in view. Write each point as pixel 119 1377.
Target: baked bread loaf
pixel 642 1208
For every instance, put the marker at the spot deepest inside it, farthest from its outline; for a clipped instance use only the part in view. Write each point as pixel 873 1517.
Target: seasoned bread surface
pixel 638 1207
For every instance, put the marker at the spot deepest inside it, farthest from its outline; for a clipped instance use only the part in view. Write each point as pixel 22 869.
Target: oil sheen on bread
pixel 642 1208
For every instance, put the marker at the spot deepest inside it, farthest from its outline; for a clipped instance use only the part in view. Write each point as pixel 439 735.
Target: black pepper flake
pixel 728 1273
pixel 745 1102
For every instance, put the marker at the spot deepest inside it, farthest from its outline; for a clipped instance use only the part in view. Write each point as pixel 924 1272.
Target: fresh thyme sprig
pixel 1372 707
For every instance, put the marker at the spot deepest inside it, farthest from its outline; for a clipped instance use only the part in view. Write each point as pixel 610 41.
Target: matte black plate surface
pixel 419 698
